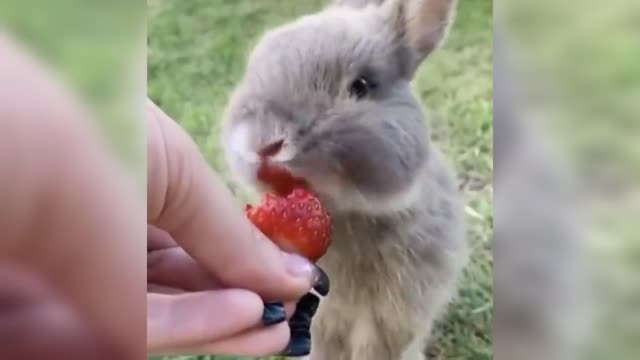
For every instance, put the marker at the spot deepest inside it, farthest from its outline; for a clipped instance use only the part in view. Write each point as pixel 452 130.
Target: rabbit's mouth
pixel 279 179
pixel 273 165
pixel 333 194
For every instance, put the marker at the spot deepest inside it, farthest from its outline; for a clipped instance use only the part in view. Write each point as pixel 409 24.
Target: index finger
pixel 189 201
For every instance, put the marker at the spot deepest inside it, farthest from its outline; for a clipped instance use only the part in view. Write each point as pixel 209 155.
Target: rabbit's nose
pixel 271 149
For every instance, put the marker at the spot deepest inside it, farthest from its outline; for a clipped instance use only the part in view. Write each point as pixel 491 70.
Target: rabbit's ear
pixel 420 26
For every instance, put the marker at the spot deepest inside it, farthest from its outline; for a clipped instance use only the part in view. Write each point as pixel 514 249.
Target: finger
pixel 256 342
pixel 68 211
pixel 290 308
pixel 248 336
pixel 185 198
pixel 181 320
pixel 19 287
pixel 173 267
pixel 158 239
pixel 35 324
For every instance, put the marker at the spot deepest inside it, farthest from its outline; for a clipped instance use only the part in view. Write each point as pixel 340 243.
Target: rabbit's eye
pixel 360 88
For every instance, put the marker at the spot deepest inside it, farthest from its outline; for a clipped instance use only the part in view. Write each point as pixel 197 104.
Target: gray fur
pixel 398 234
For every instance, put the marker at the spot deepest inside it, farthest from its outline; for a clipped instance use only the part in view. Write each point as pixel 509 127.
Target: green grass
pixel 197 51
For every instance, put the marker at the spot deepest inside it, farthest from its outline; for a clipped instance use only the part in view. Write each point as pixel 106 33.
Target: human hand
pixel 71 239
pixel 71 232
pixel 210 270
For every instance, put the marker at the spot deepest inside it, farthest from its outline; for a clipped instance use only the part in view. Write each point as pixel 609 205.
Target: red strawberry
pixel 296 223
pixel 280 180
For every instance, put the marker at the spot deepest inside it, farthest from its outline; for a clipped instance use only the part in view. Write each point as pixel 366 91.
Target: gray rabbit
pixel 329 95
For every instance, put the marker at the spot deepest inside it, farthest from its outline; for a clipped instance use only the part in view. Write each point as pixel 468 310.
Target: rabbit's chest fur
pixel 391 276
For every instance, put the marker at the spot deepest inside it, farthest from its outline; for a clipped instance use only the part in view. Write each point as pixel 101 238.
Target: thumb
pixel 186 199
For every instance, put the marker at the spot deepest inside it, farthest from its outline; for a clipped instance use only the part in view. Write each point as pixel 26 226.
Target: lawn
pixel 196 54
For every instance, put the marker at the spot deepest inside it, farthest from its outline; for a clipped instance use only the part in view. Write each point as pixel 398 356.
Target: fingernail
pixel 301 319
pixel 301 267
pixel 273 313
pixel 300 343
pixel 300 323
pixel 298 346
pixel 321 282
pixel 307 305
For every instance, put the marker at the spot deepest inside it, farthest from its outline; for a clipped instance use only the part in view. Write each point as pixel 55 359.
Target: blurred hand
pixel 209 269
pixel 71 231
pixel 36 323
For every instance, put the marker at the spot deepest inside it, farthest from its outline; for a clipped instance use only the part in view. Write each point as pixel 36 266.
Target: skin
pixel 190 257
pixel 68 216
pixel 398 242
pixel 71 239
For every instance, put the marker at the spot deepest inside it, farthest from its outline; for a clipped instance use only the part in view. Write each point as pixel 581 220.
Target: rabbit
pixel 329 95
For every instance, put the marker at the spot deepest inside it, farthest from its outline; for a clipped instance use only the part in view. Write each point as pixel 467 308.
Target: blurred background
pixel 97 49
pixel 196 55
pixel 567 180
